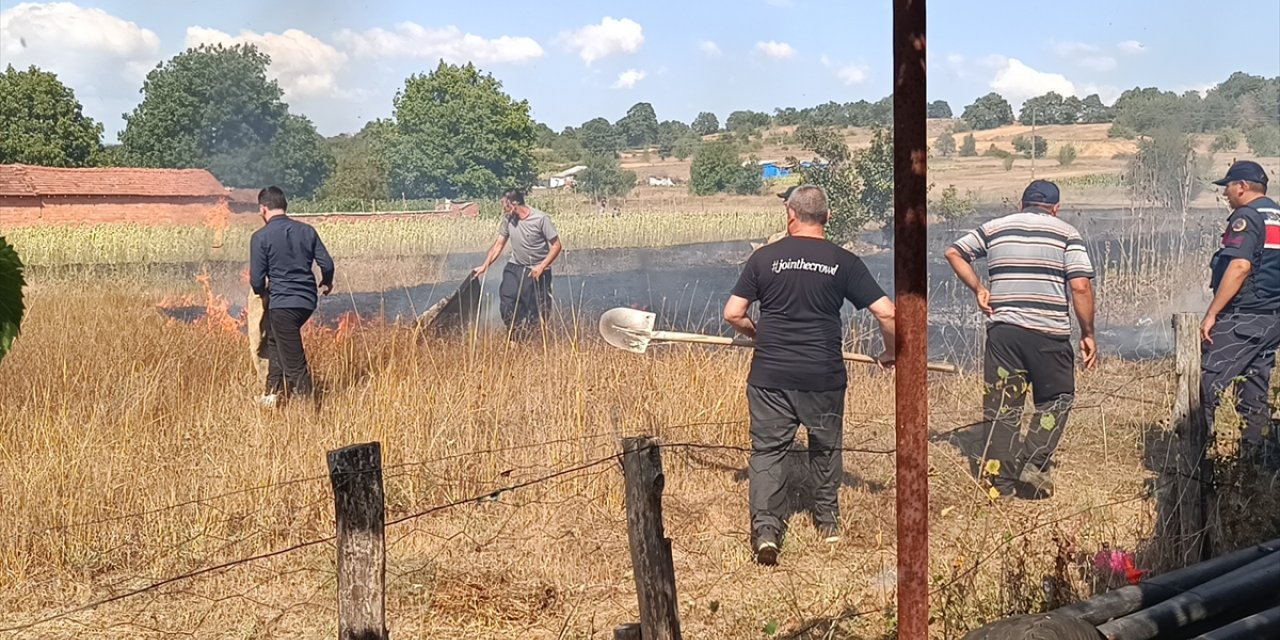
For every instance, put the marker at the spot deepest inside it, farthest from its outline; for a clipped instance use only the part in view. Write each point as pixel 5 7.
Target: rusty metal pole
pixel 911 281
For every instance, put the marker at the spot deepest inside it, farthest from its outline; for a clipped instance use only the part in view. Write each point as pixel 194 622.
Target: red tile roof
pixel 32 181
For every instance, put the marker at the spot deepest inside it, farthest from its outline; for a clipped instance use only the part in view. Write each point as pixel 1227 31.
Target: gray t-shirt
pixel 530 239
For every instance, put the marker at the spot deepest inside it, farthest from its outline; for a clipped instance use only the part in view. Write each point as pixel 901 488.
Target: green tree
pixel 360 164
pixel 11 303
pixel 859 185
pixel 945 145
pixel 718 168
pixel 1264 140
pixel 988 112
pixel 671 132
pixel 639 128
pixel 604 179
pixel 969 148
pixel 1142 111
pixel 686 147
pixel 1092 111
pixel 213 107
pixel 1023 145
pixel 746 121
pixel 952 206
pixel 939 109
pixel 1165 171
pixel 705 124
pixel 599 137
pixel 41 122
pixel 457 135
pixel 1050 108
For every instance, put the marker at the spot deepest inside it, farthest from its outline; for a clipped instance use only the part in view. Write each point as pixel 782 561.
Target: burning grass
pixel 132 452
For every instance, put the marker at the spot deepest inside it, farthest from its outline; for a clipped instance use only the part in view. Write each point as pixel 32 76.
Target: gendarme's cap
pixel 787 194
pixel 1041 192
pixel 1243 170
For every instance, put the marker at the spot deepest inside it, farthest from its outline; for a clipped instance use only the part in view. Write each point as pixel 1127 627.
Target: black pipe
pixel 1259 625
pixel 1121 602
pixel 1253 582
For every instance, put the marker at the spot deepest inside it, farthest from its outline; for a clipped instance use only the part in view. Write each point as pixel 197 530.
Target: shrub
pixel 969 148
pixel 1008 162
pixel 1024 146
pixel 1066 155
pixel 1264 141
pixel 995 152
pixel 945 145
pixel 951 205
pixel 1226 140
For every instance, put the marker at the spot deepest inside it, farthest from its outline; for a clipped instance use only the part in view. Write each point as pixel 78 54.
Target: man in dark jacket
pixel 281 255
pixel 1241 327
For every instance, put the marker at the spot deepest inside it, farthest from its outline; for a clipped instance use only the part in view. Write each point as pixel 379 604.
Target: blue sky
pixel 342 62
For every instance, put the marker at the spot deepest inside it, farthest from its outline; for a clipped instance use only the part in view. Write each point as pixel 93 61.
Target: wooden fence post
pixel 356 475
pixel 628 631
pixel 650 548
pixel 1188 482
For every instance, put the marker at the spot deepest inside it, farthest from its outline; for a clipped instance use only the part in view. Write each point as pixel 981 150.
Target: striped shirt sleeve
pixel 973 245
pixel 1076 258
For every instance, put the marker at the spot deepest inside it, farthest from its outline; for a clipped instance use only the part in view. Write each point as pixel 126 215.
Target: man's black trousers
pixel 1243 351
pixel 523 300
pixel 288 372
pixel 775 416
pixel 1018 358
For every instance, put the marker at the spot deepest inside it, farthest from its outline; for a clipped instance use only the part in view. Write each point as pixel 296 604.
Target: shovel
pixel 632 330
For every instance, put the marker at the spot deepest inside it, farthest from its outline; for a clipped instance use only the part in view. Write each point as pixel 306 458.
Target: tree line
pixel 454 132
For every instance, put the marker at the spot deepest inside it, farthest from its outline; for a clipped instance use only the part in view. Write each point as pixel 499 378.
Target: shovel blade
pixel 627 329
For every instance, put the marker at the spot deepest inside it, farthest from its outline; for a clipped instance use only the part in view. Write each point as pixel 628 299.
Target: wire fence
pixel 288 575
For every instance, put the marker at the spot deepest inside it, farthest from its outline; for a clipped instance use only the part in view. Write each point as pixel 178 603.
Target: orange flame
pixel 217 311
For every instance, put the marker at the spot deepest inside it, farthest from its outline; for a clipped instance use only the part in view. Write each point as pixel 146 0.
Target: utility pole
pixel 1033 143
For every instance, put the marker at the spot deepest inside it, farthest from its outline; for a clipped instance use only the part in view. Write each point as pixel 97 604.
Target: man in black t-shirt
pixel 797 372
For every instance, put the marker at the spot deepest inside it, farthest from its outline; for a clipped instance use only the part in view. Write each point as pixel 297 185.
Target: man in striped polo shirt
pixel 1039 269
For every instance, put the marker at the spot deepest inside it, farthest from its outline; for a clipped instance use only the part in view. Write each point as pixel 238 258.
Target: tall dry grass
pixel 109 410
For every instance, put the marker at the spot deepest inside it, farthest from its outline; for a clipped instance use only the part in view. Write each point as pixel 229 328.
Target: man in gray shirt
pixel 535 244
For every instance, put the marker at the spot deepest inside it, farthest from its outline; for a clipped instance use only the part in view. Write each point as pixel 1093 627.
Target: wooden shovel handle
pixel 698 338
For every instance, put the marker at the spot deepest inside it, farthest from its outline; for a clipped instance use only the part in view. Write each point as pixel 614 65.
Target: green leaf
pixel 1048 422
pixel 771 629
pixel 1002 372
pixel 11 306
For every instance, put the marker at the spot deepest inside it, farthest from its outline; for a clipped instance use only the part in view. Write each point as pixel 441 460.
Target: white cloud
pixel 628 79
pixel 1016 82
pixel 958 65
pixel 82 45
pixel 825 60
pixel 853 74
pixel 103 58
pixel 412 40
pixel 776 50
pixel 1131 47
pixel 610 37
pixel 300 62
pixel 709 48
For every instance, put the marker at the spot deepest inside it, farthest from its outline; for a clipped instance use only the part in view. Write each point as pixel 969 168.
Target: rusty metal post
pixel 911 281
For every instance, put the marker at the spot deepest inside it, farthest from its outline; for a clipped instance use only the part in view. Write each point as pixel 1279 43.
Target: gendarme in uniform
pixel 1241 329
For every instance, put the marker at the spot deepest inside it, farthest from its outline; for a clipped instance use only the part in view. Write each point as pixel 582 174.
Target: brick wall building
pixel 31 195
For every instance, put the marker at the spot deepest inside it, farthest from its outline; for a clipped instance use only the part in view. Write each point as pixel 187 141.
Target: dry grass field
pixel 133 453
